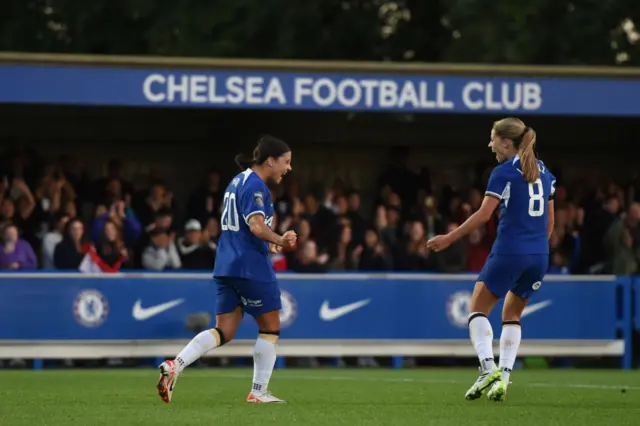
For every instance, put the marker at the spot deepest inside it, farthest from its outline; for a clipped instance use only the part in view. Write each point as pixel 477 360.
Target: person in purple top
pixel 15 252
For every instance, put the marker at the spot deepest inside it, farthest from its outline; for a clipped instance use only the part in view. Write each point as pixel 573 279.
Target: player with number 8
pixel 523 188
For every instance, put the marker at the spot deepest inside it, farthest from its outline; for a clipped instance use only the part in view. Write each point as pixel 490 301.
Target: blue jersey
pixel 523 208
pixel 241 254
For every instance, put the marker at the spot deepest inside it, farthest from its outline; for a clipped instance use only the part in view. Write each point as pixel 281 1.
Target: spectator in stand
pixel 52 238
pixel 211 232
pixel 70 209
pixel 622 244
pixel 322 222
pixel 373 255
pixel 307 260
pixel 381 225
pixel 358 224
pixel 427 213
pixel 196 253
pixel 53 191
pixel 412 253
pixel 16 253
pixel 293 216
pixel 161 254
pixel 344 258
pixel 286 204
pixel 109 254
pixel 600 213
pixel 69 252
pixel 123 217
pixel 163 220
pixel 558 263
pixel 206 201
pixel 158 199
pixel 454 259
pixel 18 203
pixel 102 191
pixel 303 229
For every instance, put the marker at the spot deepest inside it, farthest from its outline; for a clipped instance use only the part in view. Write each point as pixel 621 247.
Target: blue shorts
pixel 255 297
pixel 520 274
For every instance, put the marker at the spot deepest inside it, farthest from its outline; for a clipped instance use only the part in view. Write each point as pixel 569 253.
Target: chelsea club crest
pixel 289 309
pixel 90 308
pixel 458 308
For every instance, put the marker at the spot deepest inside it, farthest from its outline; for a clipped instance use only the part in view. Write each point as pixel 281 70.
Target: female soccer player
pixel 243 273
pixel 523 187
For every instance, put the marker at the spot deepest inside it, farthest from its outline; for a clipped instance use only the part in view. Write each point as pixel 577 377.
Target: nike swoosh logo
pixel 330 314
pixel 141 314
pixel 528 310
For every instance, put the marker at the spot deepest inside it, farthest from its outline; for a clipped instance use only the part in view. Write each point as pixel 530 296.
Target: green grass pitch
pixel 318 397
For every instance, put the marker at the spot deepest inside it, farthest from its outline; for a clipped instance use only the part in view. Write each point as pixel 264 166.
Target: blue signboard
pixel 156 306
pixel 111 86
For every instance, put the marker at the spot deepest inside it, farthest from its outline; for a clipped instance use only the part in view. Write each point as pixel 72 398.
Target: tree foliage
pixel 596 32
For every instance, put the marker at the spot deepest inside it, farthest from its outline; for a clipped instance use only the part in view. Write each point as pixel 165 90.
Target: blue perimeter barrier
pixel 73 315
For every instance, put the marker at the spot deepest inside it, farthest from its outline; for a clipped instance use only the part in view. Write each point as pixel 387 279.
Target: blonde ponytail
pixel 528 157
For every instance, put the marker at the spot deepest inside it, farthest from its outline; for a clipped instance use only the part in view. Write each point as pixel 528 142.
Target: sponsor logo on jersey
pixel 251 302
pixel 90 308
pixel 258 199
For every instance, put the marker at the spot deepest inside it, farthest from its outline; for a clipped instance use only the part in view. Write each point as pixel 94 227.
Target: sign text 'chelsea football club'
pixel 254 89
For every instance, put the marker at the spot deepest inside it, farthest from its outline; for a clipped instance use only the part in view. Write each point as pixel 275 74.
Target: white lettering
pixel 512 96
pixel 441 100
pixel 235 91
pixel 147 88
pixel 369 86
pixel 424 97
pixel 180 88
pixel 198 88
pixel 330 88
pixel 213 97
pixel 274 91
pixel 472 104
pixel 489 99
pixel 388 96
pixel 532 96
pixel 512 104
pixel 302 87
pixel 408 95
pixel 342 93
pixel 254 90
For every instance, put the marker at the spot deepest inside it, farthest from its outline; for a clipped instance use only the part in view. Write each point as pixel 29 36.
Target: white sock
pixel 481 335
pixel 509 344
pixel 197 347
pixel 264 359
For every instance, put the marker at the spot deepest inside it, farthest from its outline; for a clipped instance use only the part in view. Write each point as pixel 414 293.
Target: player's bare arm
pixel 262 231
pixel 441 242
pixel 552 218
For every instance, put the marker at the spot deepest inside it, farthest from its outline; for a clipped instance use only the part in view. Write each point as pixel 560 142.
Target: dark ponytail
pixel 243 161
pixel 268 146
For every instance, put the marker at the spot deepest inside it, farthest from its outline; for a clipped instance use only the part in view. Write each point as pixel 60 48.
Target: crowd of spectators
pixel 53 217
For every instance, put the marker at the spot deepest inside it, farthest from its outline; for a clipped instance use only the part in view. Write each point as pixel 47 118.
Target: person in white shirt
pixel 51 240
pixel 162 253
